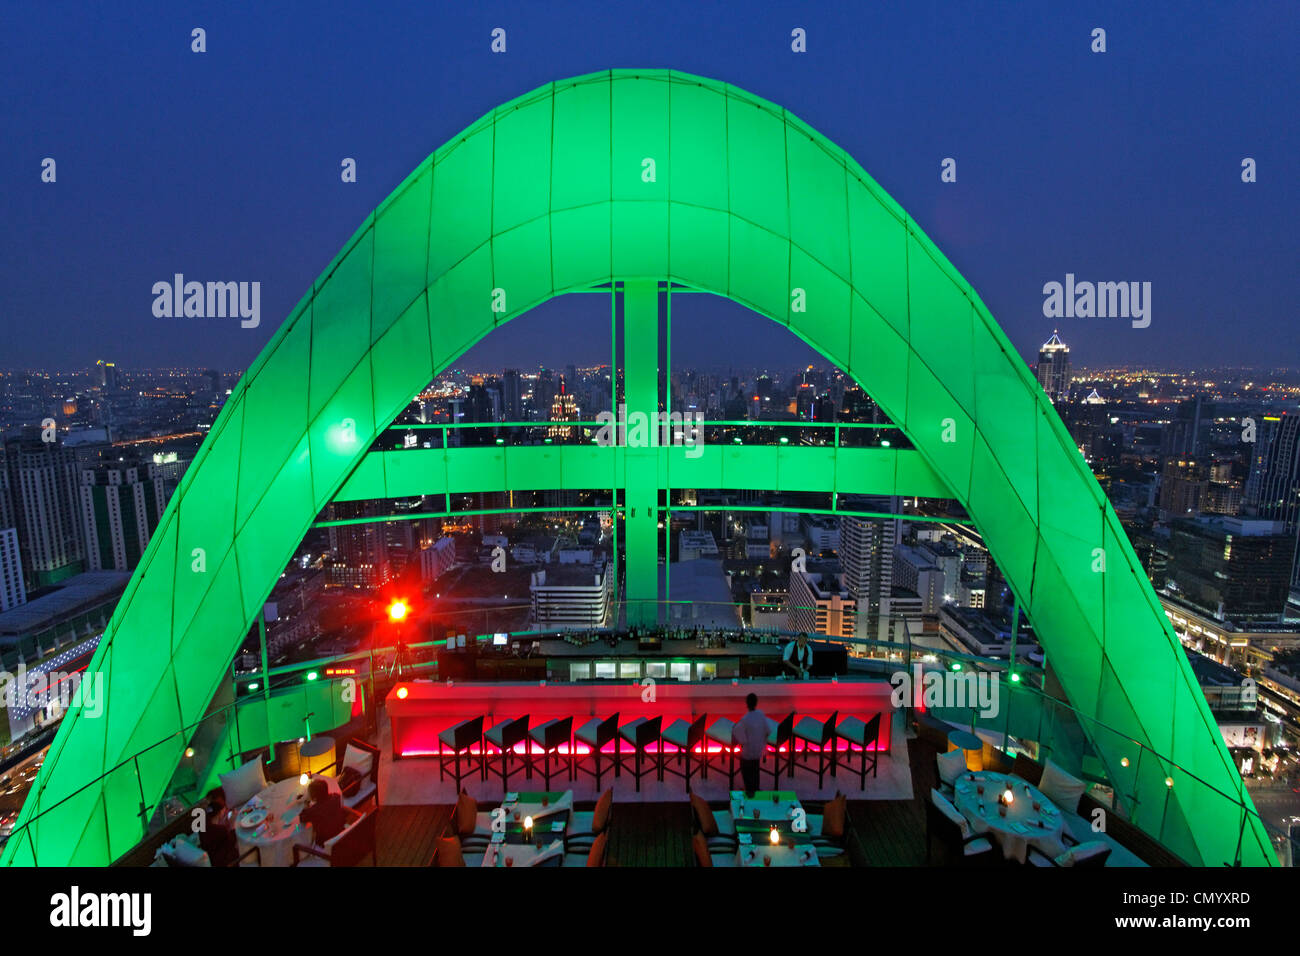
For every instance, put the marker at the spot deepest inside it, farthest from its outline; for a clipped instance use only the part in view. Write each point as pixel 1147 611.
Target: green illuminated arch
pixel 547 195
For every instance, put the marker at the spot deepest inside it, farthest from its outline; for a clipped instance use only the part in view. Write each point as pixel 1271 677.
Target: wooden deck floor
pixel 888 832
pixel 406 836
pixel 650 834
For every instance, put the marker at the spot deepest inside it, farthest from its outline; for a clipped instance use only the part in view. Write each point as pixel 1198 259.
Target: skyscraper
pixel 1234 569
pixel 563 409
pixel 43 490
pixel 120 509
pixel 1273 485
pixel 867 560
pixel 512 395
pixel 480 405
pixel 1183 485
pixel 7 514
pixel 107 375
pixel 1054 368
pixel 360 550
pixel 12 591
pixel 1181 436
pixel 543 392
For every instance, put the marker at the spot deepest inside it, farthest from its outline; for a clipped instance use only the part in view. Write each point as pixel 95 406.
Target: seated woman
pixel 325 812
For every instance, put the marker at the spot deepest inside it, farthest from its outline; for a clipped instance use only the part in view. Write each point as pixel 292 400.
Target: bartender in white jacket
pixel 798 657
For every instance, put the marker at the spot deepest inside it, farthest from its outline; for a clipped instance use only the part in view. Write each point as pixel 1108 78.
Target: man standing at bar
pixel 798 657
pixel 751 733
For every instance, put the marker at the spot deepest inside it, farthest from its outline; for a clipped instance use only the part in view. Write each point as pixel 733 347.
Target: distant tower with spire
pixel 1054 368
pixel 563 409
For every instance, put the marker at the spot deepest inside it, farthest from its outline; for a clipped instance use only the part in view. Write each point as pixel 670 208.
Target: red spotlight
pixel 397 611
pixel 401 693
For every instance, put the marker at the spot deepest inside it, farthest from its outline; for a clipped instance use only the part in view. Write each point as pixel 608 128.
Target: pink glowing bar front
pixel 420 710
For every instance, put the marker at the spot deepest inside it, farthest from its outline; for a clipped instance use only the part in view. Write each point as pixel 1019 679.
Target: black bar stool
pixel 686 736
pixel 551 736
pixel 862 735
pixel 505 737
pixel 596 734
pixel 719 732
pixel 781 735
pixel 822 733
pixel 460 739
pixel 641 733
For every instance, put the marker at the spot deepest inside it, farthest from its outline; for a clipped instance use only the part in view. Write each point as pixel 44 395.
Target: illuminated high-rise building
pixel 563 409
pixel 360 551
pixel 43 480
pixel 107 374
pixel 1054 368
pixel 1273 486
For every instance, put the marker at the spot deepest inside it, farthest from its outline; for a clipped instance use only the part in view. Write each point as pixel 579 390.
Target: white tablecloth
pixel 281 831
pixel 523 854
pixel 1022 826
pixel 799 855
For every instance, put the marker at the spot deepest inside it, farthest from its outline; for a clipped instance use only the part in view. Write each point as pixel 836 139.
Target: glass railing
pixel 1140 785
pixel 1141 789
pixel 674 430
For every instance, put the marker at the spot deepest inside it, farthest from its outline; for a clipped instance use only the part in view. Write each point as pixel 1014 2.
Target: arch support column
pixel 641 492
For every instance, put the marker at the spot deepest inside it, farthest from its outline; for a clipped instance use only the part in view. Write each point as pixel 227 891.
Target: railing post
pixel 143 813
pixel 266 670
pixel 1137 778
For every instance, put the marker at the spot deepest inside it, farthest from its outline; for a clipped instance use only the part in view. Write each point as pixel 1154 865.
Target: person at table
pixel 324 813
pixel 750 733
pixel 798 657
pixel 217 838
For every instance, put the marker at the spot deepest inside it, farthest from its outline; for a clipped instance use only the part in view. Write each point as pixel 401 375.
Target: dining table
pixel 513 843
pixel 757 815
pixel 1027 819
pixel 522 854
pixel 269 820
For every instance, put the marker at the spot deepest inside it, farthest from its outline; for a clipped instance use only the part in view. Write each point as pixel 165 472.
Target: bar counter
pixel 419 710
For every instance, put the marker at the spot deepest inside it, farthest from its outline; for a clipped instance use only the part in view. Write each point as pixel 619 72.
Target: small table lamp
pixel 316 754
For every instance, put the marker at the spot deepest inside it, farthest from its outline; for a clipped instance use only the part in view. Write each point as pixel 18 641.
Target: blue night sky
pixel 225 166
